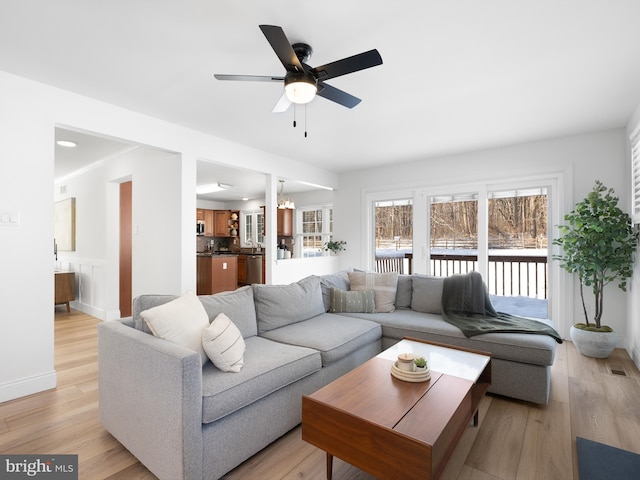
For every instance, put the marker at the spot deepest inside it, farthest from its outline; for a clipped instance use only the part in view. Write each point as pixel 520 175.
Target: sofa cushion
pixel 516 347
pixel 268 367
pixel 332 334
pixel 180 321
pixel 280 305
pixel 338 280
pixel 237 305
pixel 223 344
pixel 352 301
pixel 426 294
pixel 384 286
pixel 404 291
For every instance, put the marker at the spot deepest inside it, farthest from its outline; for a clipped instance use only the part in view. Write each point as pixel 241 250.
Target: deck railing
pixel 509 275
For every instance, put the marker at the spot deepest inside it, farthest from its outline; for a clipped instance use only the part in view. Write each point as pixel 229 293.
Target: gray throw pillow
pixel 353 301
pixel 427 294
pixel 403 294
pixel 280 305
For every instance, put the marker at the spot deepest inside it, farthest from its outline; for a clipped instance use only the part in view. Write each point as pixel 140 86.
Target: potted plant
pixel 598 244
pixel 335 246
pixel 421 364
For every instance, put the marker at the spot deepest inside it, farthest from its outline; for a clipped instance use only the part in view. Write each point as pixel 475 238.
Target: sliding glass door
pixel 501 233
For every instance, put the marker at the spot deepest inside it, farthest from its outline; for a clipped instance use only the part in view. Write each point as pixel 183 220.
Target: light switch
pixel 9 218
pixel 224 265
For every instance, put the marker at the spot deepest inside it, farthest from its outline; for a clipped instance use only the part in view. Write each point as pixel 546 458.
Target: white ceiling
pixel 457 75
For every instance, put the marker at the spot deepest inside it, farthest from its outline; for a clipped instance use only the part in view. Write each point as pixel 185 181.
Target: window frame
pixel 327 228
pixel 254 214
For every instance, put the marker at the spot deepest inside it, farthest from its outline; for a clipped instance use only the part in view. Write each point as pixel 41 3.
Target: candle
pixel 405 362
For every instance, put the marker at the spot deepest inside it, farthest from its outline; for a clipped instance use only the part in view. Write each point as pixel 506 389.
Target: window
pixel 393 235
pixel 316 227
pixel 252 228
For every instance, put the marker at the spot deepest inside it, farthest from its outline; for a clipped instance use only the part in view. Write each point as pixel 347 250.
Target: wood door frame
pixel 125 250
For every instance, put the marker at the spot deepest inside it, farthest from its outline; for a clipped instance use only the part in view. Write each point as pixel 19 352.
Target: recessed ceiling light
pixel 66 143
pixel 245 199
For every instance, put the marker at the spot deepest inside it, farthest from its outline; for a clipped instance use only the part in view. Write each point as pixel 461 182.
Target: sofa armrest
pixel 150 399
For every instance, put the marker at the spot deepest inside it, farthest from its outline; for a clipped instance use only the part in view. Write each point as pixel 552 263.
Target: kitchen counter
pixel 216 254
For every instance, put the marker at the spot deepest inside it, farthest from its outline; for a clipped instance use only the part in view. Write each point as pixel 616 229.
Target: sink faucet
pixel 250 242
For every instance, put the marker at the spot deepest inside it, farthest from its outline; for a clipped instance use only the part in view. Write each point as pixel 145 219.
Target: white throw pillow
pixel 179 321
pixel 224 344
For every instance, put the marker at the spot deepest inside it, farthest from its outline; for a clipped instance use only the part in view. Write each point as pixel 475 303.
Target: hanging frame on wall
pixel 64 225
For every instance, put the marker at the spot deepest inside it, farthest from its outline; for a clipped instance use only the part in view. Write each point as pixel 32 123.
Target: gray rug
pixel 597 461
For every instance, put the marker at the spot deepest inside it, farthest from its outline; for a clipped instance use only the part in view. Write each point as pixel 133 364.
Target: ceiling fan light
pixel 300 89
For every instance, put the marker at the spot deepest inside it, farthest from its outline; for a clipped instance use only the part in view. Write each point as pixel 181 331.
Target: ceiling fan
pixel 302 82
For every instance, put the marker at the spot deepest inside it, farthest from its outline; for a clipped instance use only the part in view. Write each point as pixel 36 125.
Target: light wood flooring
pixel 514 440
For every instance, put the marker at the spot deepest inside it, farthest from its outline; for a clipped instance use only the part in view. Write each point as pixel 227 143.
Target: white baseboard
pixel 27 386
pixel 90 310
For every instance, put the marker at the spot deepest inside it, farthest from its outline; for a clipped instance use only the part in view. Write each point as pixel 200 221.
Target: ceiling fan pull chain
pixel 294 115
pixel 305 120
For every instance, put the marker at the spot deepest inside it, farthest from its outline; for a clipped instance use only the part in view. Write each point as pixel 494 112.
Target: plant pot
pixel 593 344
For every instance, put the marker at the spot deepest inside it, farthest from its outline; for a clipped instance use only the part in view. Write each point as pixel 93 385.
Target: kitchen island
pixel 216 272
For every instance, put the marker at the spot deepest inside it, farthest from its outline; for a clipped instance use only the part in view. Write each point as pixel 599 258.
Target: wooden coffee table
pixel 396 429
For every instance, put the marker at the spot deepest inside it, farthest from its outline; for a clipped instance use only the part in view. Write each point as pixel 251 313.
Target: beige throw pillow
pixel 179 321
pixel 224 344
pixel 384 287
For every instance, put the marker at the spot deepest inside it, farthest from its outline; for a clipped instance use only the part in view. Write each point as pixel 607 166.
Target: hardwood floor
pixel 514 441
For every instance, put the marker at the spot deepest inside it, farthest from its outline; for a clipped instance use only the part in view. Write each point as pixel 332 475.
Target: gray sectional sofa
pixel 183 420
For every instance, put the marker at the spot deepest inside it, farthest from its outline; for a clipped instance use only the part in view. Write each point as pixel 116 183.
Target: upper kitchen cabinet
pixel 209 223
pixel 285 222
pixel 221 223
pixel 226 223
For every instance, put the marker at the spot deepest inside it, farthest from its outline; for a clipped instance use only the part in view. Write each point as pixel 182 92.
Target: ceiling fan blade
pixel 280 44
pixel 336 95
pixel 283 104
pixel 248 78
pixel 347 65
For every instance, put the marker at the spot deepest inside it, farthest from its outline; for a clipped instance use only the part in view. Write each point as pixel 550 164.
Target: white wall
pixel 26 250
pixel 29 114
pixel 578 160
pixel 156 204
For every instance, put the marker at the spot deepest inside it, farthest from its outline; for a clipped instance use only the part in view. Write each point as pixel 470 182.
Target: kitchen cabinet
pixel 221 223
pixel 209 223
pixel 242 269
pixel 285 222
pixel 217 273
pixel 200 214
pixel 65 290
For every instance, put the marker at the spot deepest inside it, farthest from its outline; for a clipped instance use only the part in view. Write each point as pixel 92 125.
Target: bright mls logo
pixel 49 467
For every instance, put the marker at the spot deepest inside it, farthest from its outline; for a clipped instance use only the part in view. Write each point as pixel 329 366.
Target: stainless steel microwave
pixel 199 227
